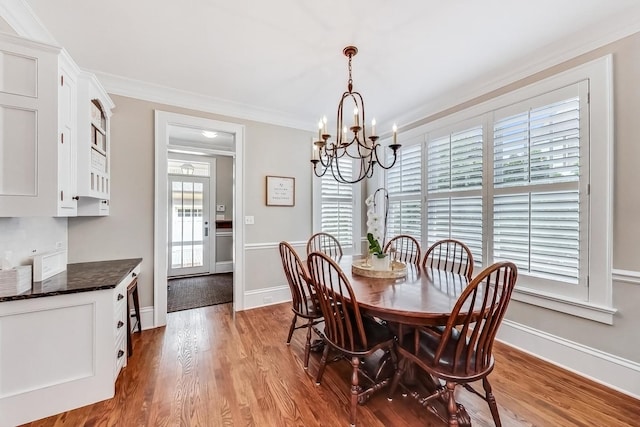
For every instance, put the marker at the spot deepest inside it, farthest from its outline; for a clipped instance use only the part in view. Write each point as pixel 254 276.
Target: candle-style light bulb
pixel 344 133
pixel 320 130
pixel 315 155
pixel 373 127
pixel 355 116
pixel 395 134
pixel 324 124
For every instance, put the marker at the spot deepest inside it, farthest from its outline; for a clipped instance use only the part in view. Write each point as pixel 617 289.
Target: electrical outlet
pixel 220 208
pixel 249 220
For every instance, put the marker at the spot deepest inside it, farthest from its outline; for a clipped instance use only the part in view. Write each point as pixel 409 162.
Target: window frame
pixel 597 303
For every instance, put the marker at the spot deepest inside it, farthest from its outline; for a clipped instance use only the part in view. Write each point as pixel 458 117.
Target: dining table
pixel 421 296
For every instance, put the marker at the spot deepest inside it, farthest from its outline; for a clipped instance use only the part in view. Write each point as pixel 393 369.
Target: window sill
pixel 597 313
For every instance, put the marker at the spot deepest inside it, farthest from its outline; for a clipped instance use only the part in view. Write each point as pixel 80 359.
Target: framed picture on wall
pixel 281 191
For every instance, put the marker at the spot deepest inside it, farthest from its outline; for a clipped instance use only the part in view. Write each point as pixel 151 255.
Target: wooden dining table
pixel 422 297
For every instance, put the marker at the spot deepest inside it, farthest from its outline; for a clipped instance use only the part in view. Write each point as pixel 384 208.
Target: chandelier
pixel 364 150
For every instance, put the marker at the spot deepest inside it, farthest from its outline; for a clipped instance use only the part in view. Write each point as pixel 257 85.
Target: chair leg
pixel 355 389
pixel 396 378
pixel 307 346
pixel 452 406
pixel 292 328
pixel 492 402
pixel 323 364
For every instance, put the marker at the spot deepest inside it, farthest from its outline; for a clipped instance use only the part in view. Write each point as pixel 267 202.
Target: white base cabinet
pixel 61 352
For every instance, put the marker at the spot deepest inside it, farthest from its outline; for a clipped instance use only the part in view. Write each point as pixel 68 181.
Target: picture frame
pixel 280 191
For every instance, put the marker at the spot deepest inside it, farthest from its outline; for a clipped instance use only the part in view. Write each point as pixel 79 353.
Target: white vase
pixel 381 264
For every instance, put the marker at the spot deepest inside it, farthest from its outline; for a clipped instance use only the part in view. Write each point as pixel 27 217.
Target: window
pixel 404 184
pixel 338 211
pixel 454 187
pixel 526 177
pixel 540 158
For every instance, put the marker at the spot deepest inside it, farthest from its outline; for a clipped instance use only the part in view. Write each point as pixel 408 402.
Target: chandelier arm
pixel 339 176
pixel 315 170
pixel 377 158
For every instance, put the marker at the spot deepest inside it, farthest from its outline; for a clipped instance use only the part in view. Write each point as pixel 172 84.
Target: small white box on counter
pixel 15 281
pixel 49 264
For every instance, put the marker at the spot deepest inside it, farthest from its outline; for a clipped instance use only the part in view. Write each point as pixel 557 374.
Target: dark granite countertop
pixel 81 277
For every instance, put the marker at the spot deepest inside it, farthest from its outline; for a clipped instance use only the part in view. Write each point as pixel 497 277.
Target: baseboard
pixel 146 317
pixel 268 296
pixel 607 369
pixel 224 267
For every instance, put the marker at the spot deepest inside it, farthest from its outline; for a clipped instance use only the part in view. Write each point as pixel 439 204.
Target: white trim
pixel 605 368
pixel 224 267
pixel 21 17
pixel 117 85
pixel 162 121
pixel 271 245
pixel 146 317
pixel 598 313
pixel 626 276
pixel 267 296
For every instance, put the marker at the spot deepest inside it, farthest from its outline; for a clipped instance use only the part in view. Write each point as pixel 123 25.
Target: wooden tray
pixel 398 269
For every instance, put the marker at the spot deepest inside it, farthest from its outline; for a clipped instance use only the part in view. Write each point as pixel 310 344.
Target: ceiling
pixel 281 61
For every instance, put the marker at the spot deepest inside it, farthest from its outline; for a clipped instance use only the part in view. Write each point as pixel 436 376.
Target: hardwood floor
pixel 209 368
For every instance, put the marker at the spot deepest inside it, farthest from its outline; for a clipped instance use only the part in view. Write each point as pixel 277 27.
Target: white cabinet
pixel 38 98
pixel 94 146
pixel 61 352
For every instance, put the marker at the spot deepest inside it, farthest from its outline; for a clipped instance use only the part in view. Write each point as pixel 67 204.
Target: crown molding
pixel 117 85
pixel 551 55
pixel 24 21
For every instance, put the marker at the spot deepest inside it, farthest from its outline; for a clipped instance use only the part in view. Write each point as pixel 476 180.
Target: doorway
pixel 164 124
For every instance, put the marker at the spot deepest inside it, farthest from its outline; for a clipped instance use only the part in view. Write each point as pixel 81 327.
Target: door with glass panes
pixel 188 225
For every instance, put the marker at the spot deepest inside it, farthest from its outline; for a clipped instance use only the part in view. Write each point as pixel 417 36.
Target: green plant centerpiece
pixel 374 246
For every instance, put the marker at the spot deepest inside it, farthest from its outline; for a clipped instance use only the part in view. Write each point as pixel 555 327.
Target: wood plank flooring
pixel 211 368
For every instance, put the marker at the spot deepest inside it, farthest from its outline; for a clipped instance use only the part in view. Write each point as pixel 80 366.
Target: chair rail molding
pixel 272 245
pixel 626 276
pixel 604 368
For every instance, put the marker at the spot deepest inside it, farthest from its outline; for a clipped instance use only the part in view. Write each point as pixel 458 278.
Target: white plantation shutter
pixel 537 207
pixel 454 185
pixel 404 184
pixel 337 206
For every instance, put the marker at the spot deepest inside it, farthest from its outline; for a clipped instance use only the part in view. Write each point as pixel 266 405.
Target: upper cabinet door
pixel 37 130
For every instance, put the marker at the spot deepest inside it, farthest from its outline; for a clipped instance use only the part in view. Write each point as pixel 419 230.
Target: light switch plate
pixel 249 220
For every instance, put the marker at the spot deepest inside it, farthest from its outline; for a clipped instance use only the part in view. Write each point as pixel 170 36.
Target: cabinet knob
pixel 134 274
pixel 120 354
pixel 76 197
pixel 120 296
pixel 120 324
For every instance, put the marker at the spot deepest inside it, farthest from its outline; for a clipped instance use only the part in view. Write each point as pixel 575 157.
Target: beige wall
pixel 621 338
pixel 128 231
